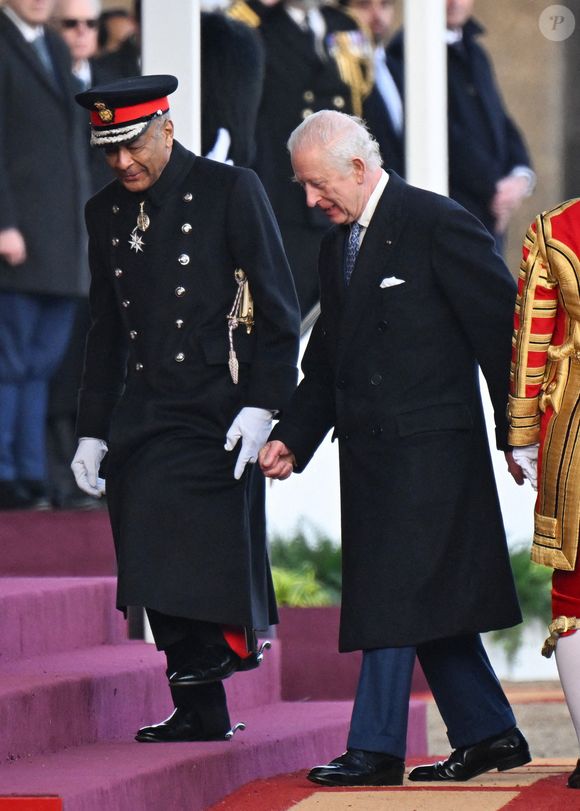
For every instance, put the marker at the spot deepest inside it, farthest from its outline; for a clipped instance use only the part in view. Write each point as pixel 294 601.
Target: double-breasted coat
pixel 157 387
pixel 392 367
pixel 44 176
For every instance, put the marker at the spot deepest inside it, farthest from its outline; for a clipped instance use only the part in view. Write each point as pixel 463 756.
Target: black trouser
pixel 180 638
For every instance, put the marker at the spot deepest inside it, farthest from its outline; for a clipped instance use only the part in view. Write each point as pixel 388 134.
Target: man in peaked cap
pixel 169 379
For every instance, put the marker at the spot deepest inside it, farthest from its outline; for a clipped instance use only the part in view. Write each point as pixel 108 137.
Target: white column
pixel 170 44
pixel 426 94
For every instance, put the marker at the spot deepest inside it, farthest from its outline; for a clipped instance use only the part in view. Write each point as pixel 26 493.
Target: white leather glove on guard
pixel 85 465
pixel 526 457
pixel 253 426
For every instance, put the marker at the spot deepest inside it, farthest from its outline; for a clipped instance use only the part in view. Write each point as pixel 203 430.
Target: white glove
pixel 526 457
pixel 221 147
pixel 253 425
pixel 85 465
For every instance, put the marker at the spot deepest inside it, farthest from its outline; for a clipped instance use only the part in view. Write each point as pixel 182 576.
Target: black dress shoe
pixel 502 752
pixel 574 779
pixel 356 767
pixel 214 663
pixel 182 725
pixel 14 497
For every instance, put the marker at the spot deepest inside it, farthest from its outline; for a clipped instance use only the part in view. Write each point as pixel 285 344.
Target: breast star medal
pixel 143 222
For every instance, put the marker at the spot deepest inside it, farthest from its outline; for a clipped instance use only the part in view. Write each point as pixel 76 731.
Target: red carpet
pixel 540 786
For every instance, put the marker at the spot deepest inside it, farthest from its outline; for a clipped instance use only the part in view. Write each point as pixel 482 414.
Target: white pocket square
pixel 391 281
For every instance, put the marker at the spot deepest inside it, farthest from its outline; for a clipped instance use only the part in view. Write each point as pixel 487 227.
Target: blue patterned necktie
pixel 351 252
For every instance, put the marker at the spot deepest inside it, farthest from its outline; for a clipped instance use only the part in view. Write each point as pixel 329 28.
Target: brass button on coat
pixel 376 379
pixel 180 357
pixel 187 228
pixel 187 197
pixel 308 96
pixel 183 259
pixel 126 303
pixel 180 291
pixel 138 367
pixel 179 323
pixel 133 334
pixel 118 272
pixel 115 209
pixel 338 102
pixel 115 242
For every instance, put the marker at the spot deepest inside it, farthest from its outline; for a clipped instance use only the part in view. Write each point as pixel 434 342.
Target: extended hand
pixel 526 457
pixel 509 194
pixel 85 465
pixel 276 460
pixel 12 246
pixel 253 426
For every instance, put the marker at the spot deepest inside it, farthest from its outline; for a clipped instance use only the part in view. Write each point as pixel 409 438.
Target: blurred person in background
pixel 316 58
pixel 490 170
pixel 77 23
pixel 43 185
pixel 383 108
pixel 120 43
pixel 116 26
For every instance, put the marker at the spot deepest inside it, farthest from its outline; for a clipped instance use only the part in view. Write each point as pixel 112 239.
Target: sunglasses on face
pixel 71 23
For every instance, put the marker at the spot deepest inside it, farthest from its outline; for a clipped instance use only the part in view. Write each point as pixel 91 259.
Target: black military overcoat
pixel 159 335
pixel 392 366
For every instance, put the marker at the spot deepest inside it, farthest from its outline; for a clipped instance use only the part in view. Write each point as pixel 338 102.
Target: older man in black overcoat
pixel 392 367
pixel 44 183
pixel 178 243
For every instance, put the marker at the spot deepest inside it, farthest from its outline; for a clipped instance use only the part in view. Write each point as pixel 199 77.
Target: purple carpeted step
pixel 101 693
pixel 44 615
pixel 280 737
pixel 57 543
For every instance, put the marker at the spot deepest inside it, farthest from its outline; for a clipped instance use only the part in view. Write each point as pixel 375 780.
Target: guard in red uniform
pixel 544 409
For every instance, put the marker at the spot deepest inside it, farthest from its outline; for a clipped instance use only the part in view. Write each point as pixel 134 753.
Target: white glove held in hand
pixel 526 457
pixel 253 426
pixel 85 465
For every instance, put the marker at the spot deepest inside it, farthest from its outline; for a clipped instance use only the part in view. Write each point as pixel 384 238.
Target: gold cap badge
pixel 105 114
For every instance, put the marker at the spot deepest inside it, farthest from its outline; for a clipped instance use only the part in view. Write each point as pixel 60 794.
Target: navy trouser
pixel 34 331
pixel 465 688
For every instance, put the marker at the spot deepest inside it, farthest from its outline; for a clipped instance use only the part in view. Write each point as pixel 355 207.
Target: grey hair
pixel 342 136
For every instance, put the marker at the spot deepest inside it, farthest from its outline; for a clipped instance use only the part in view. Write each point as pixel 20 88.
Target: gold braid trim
pixel 354 70
pixel 559 626
pixel 241 11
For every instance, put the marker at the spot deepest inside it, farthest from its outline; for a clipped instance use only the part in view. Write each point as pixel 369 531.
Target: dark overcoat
pixel 180 520
pixel 44 178
pixel 485 143
pixel 393 369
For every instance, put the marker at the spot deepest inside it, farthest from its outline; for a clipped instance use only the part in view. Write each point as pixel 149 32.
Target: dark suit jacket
pixel 44 179
pixel 393 369
pixel 484 142
pixel 156 383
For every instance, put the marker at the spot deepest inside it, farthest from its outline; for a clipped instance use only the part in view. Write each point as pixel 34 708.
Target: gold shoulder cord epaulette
pixel 559 626
pixel 242 12
pixel 353 56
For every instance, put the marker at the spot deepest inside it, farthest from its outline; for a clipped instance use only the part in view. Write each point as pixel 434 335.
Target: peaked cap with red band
pixel 122 110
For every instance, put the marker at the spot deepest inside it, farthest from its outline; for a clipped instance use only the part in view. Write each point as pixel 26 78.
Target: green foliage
pixel 299 587
pixel 306 571
pixel 533 584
